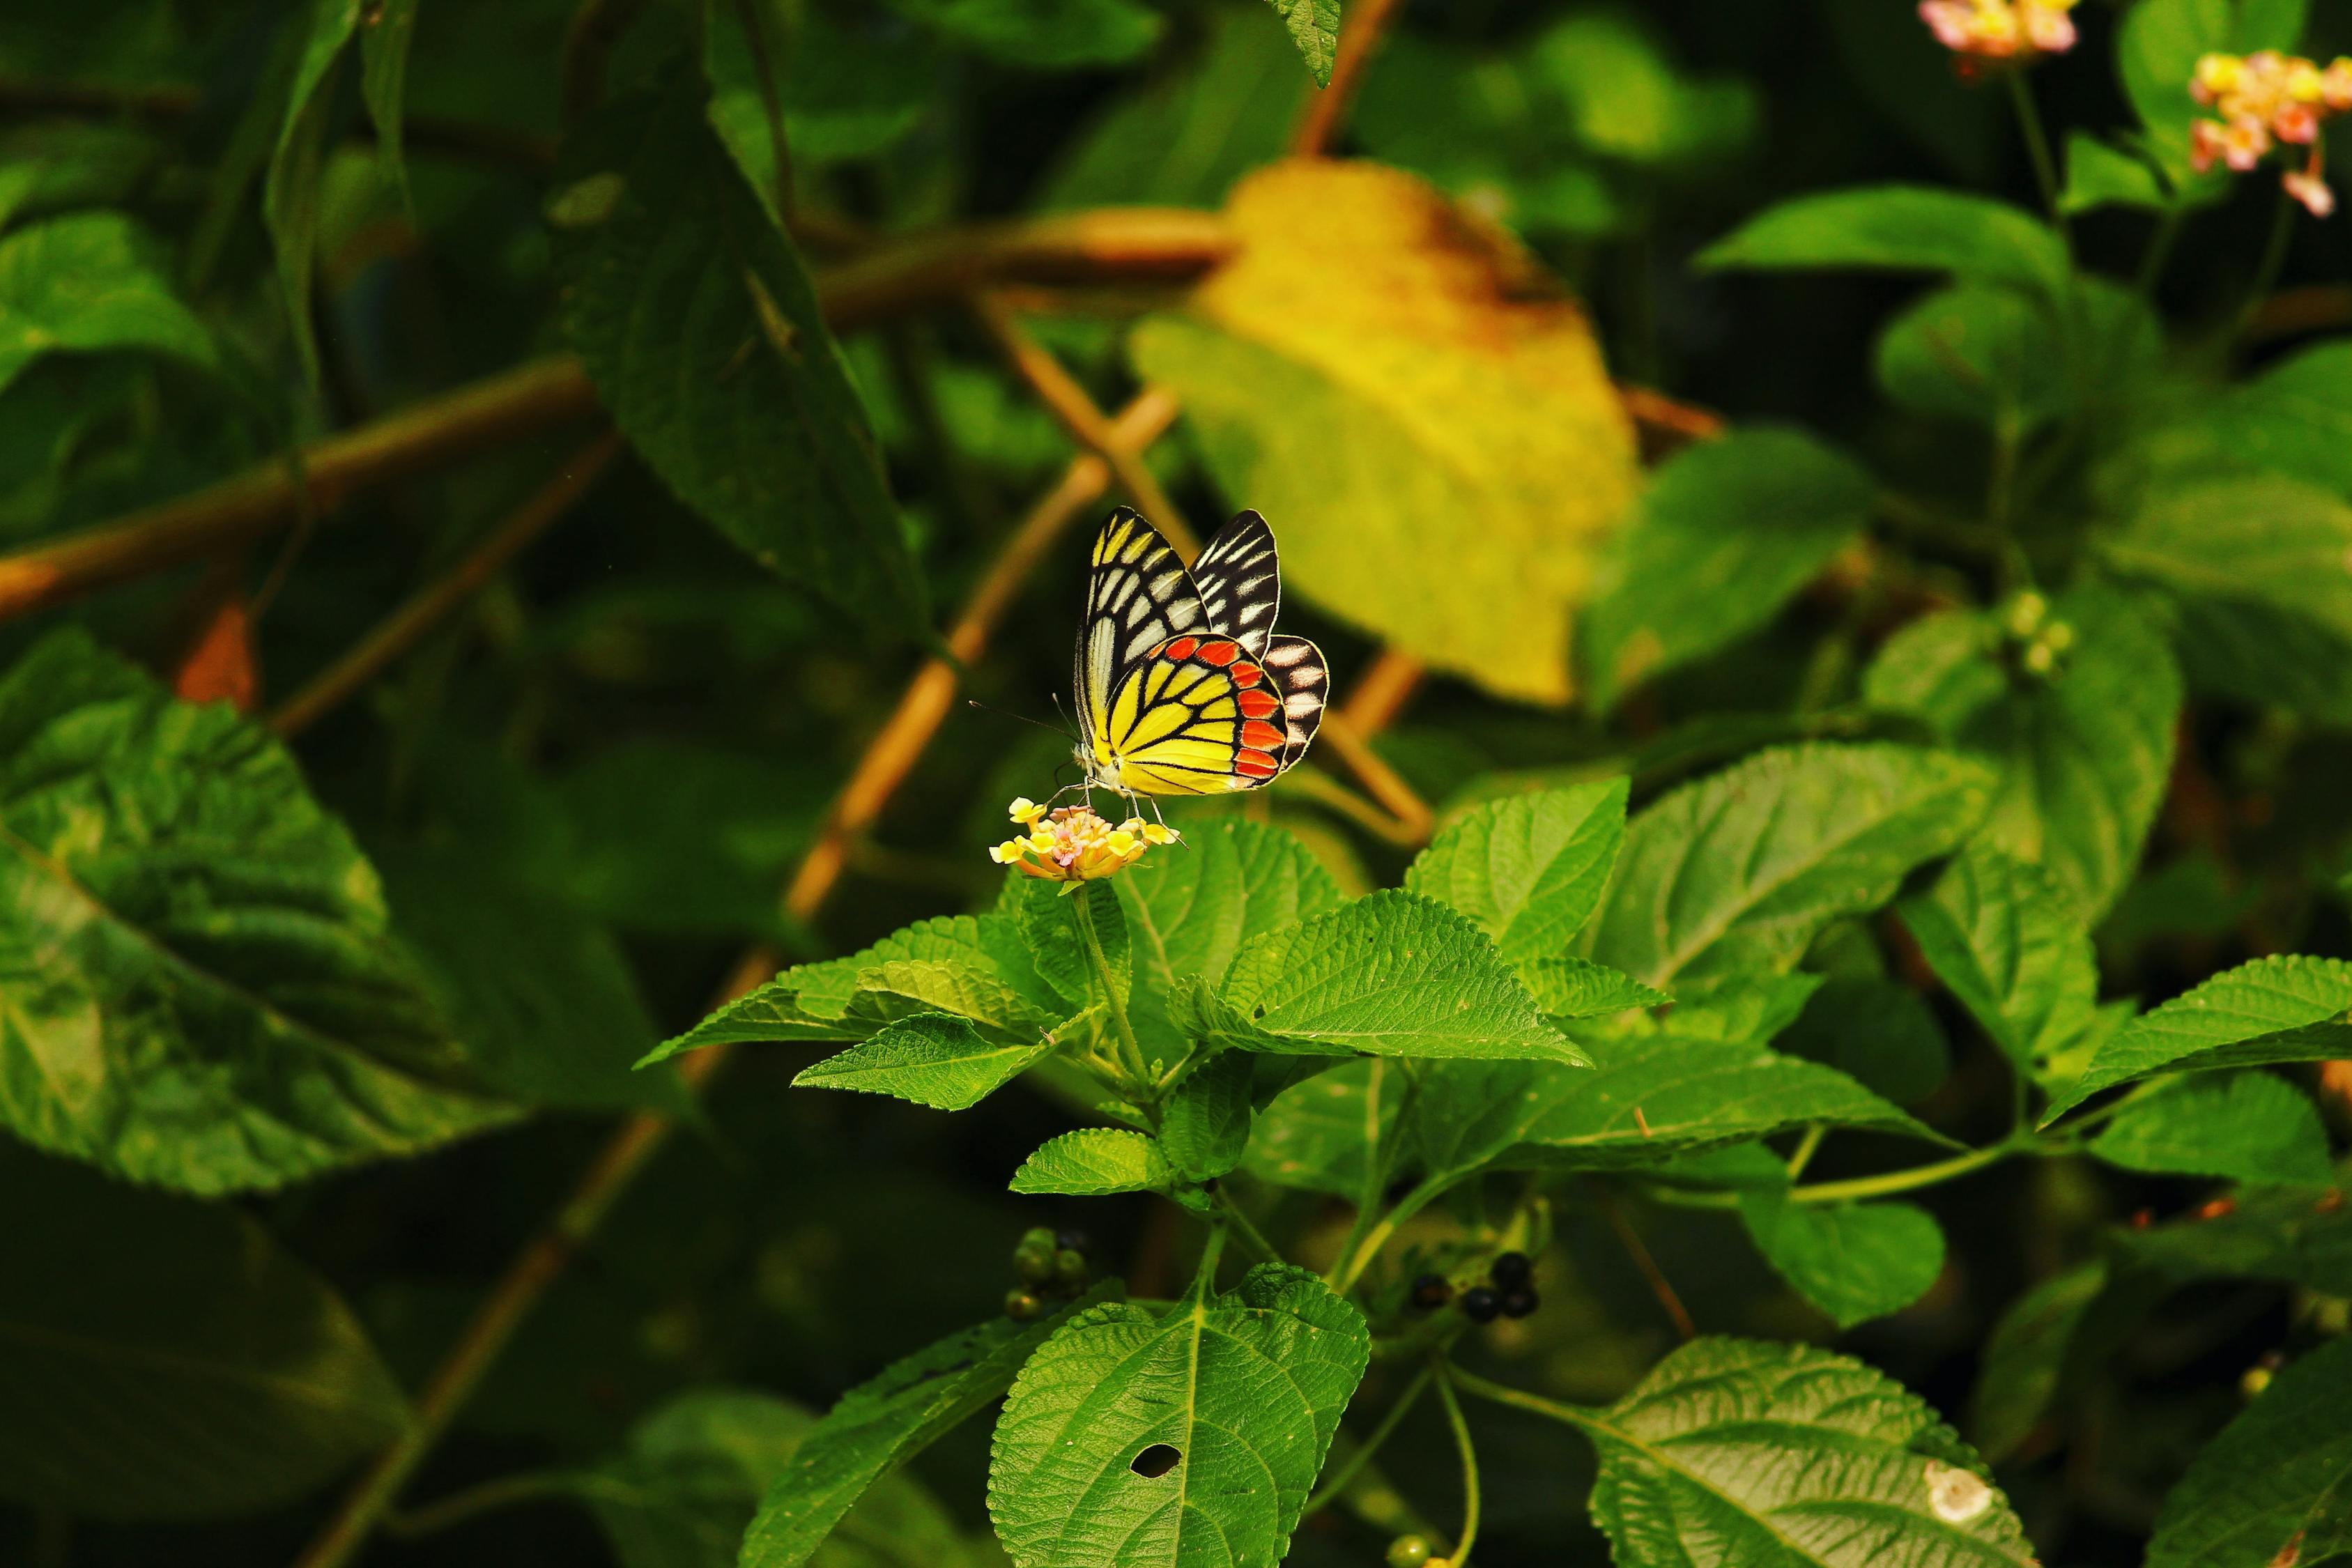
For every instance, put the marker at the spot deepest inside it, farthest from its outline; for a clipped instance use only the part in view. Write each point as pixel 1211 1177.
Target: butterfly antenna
pixel 1021 717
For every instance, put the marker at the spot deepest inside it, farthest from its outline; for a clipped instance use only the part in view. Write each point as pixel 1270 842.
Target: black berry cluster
pixel 1052 1266
pixel 1509 1291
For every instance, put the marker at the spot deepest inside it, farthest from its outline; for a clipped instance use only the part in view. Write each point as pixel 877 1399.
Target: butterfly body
pixel 1184 687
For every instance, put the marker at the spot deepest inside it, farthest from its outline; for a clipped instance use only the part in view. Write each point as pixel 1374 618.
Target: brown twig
pixel 888 758
pixel 1381 691
pixel 1650 1271
pixel 1085 424
pixel 418 132
pixel 1381 782
pixel 1327 109
pixel 549 393
pixel 400 630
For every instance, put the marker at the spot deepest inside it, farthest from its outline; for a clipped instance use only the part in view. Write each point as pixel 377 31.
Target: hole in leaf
pixel 1157 1460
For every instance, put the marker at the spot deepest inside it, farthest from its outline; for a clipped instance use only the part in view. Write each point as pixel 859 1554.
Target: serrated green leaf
pixel 1246 1387
pixel 2030 1357
pixel 897 988
pixel 1882 1035
pixel 2253 566
pixel 1743 869
pixel 1530 869
pixel 384 39
pixel 2246 1127
pixel 167 1360
pixel 2278 1009
pixel 1901 228
pixel 1094 1160
pixel 1334 1134
pixel 1205 1124
pixel 1855 1261
pixel 2271 1490
pixel 880 1424
pixel 87 283
pixel 1571 987
pixel 742 402
pixel 202 988
pixel 2002 936
pixel 290 198
pixel 1389 975
pixel 1649 1101
pixel 1740 1007
pixel 1050 922
pixel 2083 755
pixel 1314 27
pixel 1190 908
pixel 1733 1451
pixel 932 1058
pixel 1725 532
pixel 690 1480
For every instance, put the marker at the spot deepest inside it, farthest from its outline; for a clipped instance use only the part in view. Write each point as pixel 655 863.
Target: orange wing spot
pixel 1264 736
pixel 1259 704
pixel 1246 674
pixel 1220 653
pixel 1257 764
pixel 1180 648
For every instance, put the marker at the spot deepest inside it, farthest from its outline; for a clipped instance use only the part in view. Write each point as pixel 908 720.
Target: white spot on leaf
pixel 1956 1495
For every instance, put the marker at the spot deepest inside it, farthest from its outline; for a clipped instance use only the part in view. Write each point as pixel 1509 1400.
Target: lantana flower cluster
pixel 1071 844
pixel 1983 31
pixel 2269 99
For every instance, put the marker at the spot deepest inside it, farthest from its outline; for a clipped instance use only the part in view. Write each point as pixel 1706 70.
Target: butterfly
pixel 1184 687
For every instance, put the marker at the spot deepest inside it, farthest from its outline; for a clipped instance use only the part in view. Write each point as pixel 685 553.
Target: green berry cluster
pixel 1052 1266
pixel 2036 644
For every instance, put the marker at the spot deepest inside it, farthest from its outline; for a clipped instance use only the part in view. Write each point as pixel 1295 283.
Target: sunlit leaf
pixel 1188 910
pixel 1314 27
pixel 1901 228
pixel 1528 868
pixel 1187 1439
pixel 2002 935
pixel 932 1058
pixel 1205 1124
pixel 1435 439
pixel 2247 1127
pixel 1094 1160
pixel 1855 1261
pixel 87 283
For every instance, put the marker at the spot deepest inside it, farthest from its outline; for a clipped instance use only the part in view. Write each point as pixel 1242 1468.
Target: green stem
pixel 1574 1415
pixel 1805 1147
pixel 2159 251
pixel 1340 1480
pixel 1252 1237
pixel 1351 1265
pixel 1131 1052
pixel 1469 1536
pixel 2037 147
pixel 2274 261
pixel 487 1497
pixel 1861 1187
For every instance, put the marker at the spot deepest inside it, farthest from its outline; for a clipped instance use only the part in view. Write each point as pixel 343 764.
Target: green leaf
pixel 932 1058
pixel 291 195
pixel 1205 1124
pixel 898 988
pixel 2156 51
pixel 1569 988
pixel 1739 1451
pixel 89 283
pixel 690 1480
pixel 1315 26
pixel 2098 175
pixel 1648 1102
pixel 1882 1035
pixel 1742 1007
pixel 1094 1160
pixel 1044 35
pixel 882 1423
pixel 745 66
pixel 1901 228
pixel 741 401
pixel 1335 1132
pixel 2295 419
pixel 543 997
pixel 2246 1127
pixel 2276 1009
pixel 1246 1387
pixel 2004 937
pixel 2271 1488
pixel 166 1359
pixel 384 39
pixel 844 98
pixel 1984 354
pixel 1391 974
pixel 202 990
pixel 1855 1261
pixel 2031 1357
pixel 2253 567
pixel 1726 534
pixel 2083 754
pixel 1189 910
pixel 1528 868
pixel 1743 869
pixel 1054 924
pixel 2290 1236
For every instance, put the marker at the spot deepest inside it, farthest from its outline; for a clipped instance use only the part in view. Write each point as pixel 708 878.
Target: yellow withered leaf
pixel 1418 408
